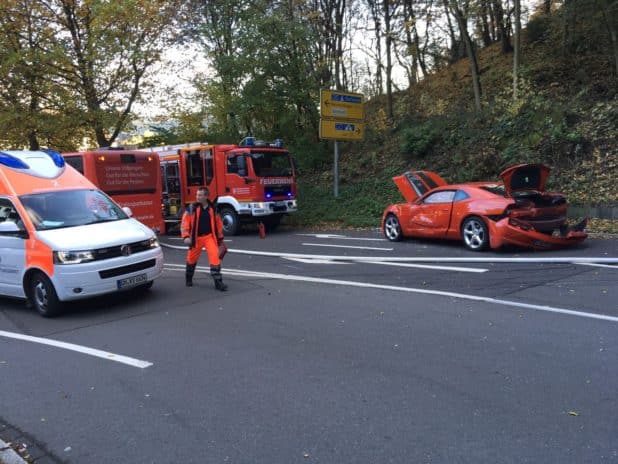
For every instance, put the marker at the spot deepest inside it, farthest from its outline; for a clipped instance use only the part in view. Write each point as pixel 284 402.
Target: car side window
pixel 8 213
pixel 460 195
pixel 444 196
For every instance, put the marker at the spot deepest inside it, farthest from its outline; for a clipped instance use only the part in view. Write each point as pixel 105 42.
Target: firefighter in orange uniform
pixel 201 228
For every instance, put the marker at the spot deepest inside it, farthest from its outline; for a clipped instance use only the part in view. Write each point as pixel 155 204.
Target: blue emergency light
pixel 12 162
pixel 247 142
pixel 56 157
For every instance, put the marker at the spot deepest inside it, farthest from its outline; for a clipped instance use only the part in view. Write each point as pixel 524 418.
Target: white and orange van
pixel 63 239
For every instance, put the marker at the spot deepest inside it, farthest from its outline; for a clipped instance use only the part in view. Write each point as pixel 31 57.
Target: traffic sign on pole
pixel 345 105
pixel 336 129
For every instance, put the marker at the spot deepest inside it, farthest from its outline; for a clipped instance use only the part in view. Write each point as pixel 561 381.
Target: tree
pixel 35 109
pixel 470 51
pixel 517 45
pixel 103 52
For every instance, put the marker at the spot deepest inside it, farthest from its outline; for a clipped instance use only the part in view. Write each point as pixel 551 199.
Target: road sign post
pixel 342 117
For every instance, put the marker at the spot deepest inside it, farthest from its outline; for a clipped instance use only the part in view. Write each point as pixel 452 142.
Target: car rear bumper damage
pixel 516 232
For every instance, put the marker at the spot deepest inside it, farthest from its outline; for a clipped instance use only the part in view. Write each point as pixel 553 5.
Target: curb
pixel 8 455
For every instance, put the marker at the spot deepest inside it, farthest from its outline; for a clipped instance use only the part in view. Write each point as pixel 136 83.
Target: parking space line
pixel 351 283
pixel 79 348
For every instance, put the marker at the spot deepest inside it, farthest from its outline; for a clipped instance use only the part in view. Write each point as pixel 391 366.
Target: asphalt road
pixel 328 361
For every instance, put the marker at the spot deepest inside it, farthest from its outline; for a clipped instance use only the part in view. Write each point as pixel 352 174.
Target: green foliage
pixel 419 140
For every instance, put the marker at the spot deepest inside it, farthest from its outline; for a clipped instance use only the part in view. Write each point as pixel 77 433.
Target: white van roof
pixel 47 164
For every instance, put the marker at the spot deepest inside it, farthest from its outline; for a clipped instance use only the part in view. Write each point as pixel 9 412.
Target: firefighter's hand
pixel 187 240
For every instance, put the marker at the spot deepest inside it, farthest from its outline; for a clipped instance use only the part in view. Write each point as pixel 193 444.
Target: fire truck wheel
pixel 42 295
pixel 230 221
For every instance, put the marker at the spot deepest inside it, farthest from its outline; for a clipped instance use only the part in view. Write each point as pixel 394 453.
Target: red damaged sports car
pixel 515 211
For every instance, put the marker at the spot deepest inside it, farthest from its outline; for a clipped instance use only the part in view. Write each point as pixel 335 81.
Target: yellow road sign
pixel 341 130
pixel 338 104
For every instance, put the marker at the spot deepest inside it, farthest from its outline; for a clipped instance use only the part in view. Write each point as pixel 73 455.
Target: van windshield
pixel 70 208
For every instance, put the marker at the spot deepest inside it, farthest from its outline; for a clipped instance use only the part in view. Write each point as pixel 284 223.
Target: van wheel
pixel 42 295
pixel 230 221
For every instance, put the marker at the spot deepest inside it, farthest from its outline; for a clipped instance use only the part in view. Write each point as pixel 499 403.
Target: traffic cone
pixel 262 230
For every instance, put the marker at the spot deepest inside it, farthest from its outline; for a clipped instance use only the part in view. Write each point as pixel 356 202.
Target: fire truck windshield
pixel 271 164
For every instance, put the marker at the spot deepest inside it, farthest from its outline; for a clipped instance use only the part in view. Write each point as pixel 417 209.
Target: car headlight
pixel 153 242
pixel 73 257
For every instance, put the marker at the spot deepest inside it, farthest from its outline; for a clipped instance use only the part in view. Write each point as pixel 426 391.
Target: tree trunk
pixel 454 44
pixel 474 67
pixel 486 36
pixel 389 64
pixel 517 45
pixel 501 20
pixel 375 14
pixel 547 7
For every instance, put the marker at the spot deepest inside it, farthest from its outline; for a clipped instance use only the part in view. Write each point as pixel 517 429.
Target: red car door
pixel 431 216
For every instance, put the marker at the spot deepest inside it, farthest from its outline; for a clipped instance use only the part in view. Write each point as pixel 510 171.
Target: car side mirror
pixel 127 211
pixel 8 227
pixel 11 229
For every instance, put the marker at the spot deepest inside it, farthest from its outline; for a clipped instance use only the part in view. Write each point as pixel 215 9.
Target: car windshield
pixel 70 208
pixel 271 164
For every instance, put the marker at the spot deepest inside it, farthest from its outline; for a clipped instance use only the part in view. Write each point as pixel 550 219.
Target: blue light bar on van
pixel 12 162
pixel 57 157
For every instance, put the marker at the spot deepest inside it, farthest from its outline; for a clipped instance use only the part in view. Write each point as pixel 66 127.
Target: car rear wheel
pixel 475 234
pixel 42 295
pixel 230 221
pixel 392 228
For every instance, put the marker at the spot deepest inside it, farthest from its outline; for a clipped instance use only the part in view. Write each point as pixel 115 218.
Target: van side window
pixel 8 213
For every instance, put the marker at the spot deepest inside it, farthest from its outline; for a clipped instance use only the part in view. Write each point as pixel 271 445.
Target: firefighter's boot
pixel 189 274
pixel 215 272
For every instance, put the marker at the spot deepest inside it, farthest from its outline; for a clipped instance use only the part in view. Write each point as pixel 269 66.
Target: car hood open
pixel 525 177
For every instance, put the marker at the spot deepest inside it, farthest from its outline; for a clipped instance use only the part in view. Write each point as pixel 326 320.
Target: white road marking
pixel 599 265
pixel 79 348
pixel 349 283
pixel 315 261
pixel 345 246
pixel 418 259
pixel 428 266
pixel 343 237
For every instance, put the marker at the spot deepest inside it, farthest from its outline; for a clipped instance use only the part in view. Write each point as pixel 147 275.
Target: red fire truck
pixel 253 181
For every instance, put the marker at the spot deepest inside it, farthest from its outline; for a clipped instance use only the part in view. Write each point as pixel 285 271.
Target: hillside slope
pixel 566 117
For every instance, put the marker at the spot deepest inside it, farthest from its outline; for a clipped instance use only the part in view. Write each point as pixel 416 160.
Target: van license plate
pixel 132 281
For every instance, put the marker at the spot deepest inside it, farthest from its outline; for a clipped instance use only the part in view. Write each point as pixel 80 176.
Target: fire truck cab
pixel 253 181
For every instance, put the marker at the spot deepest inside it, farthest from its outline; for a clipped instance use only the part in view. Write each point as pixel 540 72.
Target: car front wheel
pixel 392 228
pixel 475 234
pixel 42 295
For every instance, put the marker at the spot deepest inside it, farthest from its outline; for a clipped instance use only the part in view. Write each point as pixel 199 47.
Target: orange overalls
pixel 188 229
